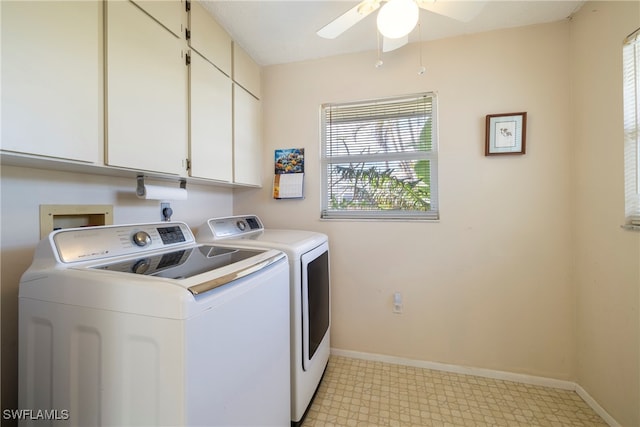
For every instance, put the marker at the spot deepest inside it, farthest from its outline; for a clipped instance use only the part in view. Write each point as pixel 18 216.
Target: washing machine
pixel 140 325
pixel 310 293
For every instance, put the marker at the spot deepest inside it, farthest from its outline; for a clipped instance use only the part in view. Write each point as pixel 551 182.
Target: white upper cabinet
pixel 210 121
pixel 208 38
pixel 52 87
pixel 121 84
pixel 169 13
pixel 247 119
pixel 247 138
pixel 147 84
pixel 246 72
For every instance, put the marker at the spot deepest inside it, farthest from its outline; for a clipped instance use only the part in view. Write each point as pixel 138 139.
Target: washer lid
pixel 181 263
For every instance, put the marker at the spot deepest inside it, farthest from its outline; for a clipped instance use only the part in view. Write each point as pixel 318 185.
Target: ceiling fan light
pixel 397 18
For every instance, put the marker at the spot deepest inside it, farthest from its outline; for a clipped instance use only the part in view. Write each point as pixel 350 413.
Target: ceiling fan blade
pixel 392 44
pixel 463 11
pixel 345 21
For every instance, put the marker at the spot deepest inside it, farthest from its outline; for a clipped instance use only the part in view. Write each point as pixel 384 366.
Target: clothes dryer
pixel 310 295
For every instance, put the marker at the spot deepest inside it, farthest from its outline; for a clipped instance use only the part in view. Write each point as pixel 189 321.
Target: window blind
pixel 631 81
pixel 379 159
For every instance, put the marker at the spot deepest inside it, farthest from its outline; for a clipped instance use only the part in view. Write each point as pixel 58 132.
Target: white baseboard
pixel 486 373
pixel 596 407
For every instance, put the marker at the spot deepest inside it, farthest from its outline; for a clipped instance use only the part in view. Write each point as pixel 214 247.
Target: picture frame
pixel 506 134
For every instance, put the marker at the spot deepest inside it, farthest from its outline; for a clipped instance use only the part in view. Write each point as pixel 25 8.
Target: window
pixel 631 58
pixel 380 159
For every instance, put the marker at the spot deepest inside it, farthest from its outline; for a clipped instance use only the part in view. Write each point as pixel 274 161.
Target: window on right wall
pixel 631 66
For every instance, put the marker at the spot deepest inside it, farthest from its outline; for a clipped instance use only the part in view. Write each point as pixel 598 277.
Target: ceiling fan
pixel 397 18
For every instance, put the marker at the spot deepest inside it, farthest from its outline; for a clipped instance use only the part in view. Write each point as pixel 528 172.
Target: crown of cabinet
pixel 246 72
pixel 209 39
pixel 169 13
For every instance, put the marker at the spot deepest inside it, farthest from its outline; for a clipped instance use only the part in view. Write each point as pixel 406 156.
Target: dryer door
pixel 316 298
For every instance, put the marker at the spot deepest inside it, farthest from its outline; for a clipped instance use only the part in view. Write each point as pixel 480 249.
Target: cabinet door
pixel 146 93
pixel 211 131
pixel 52 87
pixel 247 138
pixel 169 13
pixel 209 39
pixel 245 71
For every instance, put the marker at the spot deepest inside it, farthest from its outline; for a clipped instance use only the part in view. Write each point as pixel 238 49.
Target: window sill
pixel 355 219
pixel 630 227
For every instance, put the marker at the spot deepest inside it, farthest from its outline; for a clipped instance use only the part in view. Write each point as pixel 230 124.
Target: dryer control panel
pixel 93 243
pixel 233 227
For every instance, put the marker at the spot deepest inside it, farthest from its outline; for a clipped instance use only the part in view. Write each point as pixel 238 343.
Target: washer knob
pixel 141 238
pixel 141 266
pixel 241 225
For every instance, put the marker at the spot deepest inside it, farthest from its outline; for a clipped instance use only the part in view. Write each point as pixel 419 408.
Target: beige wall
pixel 22 192
pixel 607 259
pixel 528 270
pixel 489 285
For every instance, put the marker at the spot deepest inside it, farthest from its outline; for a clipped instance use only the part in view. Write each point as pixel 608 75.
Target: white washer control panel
pixel 87 244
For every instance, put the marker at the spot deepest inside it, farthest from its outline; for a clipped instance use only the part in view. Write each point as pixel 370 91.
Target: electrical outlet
pixel 165 211
pixel 397 303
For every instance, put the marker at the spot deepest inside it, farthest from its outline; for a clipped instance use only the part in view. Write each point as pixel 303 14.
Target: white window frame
pixel 631 92
pixel 373 108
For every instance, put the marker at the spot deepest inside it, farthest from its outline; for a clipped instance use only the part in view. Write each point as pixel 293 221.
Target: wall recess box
pixel 54 217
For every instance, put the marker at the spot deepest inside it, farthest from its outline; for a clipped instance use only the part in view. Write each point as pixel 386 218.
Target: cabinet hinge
pixel 188 164
pixel 187 5
pixel 187 59
pixel 187 34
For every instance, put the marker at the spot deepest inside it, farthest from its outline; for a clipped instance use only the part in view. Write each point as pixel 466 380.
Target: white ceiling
pixel 276 31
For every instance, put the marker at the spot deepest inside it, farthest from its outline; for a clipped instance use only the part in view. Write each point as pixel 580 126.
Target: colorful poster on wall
pixel 288 180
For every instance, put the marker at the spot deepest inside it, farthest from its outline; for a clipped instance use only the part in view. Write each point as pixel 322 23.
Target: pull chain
pixel 422 69
pixel 379 63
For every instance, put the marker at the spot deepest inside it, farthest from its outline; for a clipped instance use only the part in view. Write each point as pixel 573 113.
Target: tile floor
pixel 358 392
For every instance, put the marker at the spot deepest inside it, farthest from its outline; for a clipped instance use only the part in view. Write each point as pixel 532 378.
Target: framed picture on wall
pixel 506 134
